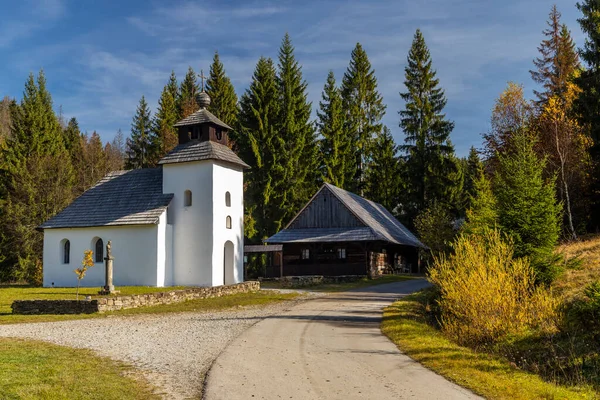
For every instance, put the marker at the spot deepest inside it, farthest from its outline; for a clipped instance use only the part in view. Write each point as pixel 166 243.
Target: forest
pixel 535 178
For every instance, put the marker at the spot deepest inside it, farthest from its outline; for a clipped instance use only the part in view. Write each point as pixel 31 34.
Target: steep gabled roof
pixel 379 224
pixel 198 151
pixel 120 198
pixel 202 116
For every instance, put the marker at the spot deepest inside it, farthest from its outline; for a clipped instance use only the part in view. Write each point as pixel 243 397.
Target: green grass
pixel 9 294
pixel 37 370
pixel 342 287
pixel 493 377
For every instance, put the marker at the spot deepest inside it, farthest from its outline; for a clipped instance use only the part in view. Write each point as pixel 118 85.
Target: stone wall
pixel 312 280
pixel 114 303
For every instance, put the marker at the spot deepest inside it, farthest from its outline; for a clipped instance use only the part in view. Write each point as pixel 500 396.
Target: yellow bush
pixel 486 293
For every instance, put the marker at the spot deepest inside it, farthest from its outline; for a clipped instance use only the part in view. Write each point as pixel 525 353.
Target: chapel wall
pixel 133 263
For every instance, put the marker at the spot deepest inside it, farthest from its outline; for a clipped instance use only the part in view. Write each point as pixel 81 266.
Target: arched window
pixel 66 251
pixel 228 199
pixel 99 251
pixel 187 198
pixel 228 222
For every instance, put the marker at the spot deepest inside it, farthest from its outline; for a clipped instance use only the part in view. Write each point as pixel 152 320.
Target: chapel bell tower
pixel 202 125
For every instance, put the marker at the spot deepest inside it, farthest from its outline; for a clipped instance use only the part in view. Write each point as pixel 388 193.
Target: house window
pixel 305 254
pixel 195 133
pixel 228 199
pixel 187 198
pixel 99 251
pixel 228 222
pixel 218 134
pixel 66 252
pixel 341 254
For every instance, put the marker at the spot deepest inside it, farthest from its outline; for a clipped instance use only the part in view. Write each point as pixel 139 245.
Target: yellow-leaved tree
pixel 87 262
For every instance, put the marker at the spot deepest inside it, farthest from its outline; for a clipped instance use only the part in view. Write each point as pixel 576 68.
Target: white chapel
pixel 180 223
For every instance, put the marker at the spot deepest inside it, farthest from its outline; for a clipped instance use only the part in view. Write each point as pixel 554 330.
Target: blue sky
pixel 101 57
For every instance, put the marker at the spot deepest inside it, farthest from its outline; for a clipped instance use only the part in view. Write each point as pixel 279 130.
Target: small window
pixel 305 254
pixel 66 252
pixel 99 251
pixel 228 222
pixel 195 133
pixel 187 198
pixel 228 199
pixel 341 254
pixel 218 133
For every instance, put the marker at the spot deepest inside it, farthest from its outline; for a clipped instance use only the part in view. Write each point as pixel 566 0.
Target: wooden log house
pixel 341 233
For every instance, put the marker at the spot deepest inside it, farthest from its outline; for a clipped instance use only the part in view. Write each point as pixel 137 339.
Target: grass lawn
pixel 492 377
pixel 37 370
pixel 10 293
pixel 341 287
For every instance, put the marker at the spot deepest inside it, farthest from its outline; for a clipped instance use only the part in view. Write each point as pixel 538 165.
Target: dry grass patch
pixel 37 370
pixel 587 251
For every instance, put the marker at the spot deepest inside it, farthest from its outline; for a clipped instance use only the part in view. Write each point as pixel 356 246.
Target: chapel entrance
pixel 228 267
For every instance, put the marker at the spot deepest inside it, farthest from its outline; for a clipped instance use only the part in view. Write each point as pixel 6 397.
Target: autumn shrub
pixel 486 294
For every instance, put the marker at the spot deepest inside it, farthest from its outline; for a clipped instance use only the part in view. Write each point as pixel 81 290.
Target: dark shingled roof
pixel 379 224
pixel 120 198
pixel 198 151
pixel 262 248
pixel 202 116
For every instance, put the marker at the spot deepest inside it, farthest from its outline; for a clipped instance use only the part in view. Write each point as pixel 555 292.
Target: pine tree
pixel 163 125
pixel 223 102
pixel 383 184
pixel 428 150
pixel 141 146
pixel 188 94
pixel 337 153
pixel 527 208
pixel 558 60
pixel 587 105
pixel 261 147
pixel 482 213
pixel 298 133
pixel 364 110
pixel 37 178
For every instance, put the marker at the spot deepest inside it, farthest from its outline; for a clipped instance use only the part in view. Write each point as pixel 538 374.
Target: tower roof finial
pixel 203 97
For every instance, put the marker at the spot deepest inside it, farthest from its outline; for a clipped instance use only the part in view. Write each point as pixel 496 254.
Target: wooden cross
pixel 202 77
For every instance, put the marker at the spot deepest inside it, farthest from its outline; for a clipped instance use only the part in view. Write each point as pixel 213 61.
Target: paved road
pixel 328 348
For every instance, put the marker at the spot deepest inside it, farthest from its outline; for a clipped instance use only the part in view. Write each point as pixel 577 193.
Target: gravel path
pixel 172 350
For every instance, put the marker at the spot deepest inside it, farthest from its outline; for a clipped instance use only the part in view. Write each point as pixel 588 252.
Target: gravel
pixel 173 351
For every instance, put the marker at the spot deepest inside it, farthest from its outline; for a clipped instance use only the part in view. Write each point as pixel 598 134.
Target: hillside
pixel 587 252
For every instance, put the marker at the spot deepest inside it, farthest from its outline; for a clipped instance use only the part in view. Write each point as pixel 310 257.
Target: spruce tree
pixel 173 89
pixel 72 135
pixel 261 146
pixel 473 170
pixel 188 94
pixel 364 110
pixel 141 146
pixel 5 119
pixel 428 150
pixel 223 102
pixel 37 179
pixel 383 177
pixel 93 162
pixel 337 153
pixel 527 208
pixel 163 125
pixel 300 154
pixel 558 59
pixel 482 213
pixel 587 105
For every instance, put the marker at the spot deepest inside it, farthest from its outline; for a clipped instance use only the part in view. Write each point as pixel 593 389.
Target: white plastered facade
pixel 190 245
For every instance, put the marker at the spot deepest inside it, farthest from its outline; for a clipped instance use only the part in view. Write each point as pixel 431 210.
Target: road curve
pixel 327 348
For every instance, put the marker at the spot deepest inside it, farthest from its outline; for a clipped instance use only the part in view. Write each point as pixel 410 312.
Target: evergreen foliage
pixel 223 102
pixel 558 59
pixel 141 146
pixel 261 147
pixel 72 135
pixel 337 153
pixel 189 90
pixel 115 152
pixel 383 185
pixel 297 131
pixel 166 117
pixel 482 214
pixel 435 228
pixel 428 150
pixel 527 208
pixel 364 109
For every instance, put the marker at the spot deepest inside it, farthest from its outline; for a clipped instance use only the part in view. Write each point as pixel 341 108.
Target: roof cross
pixel 202 77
